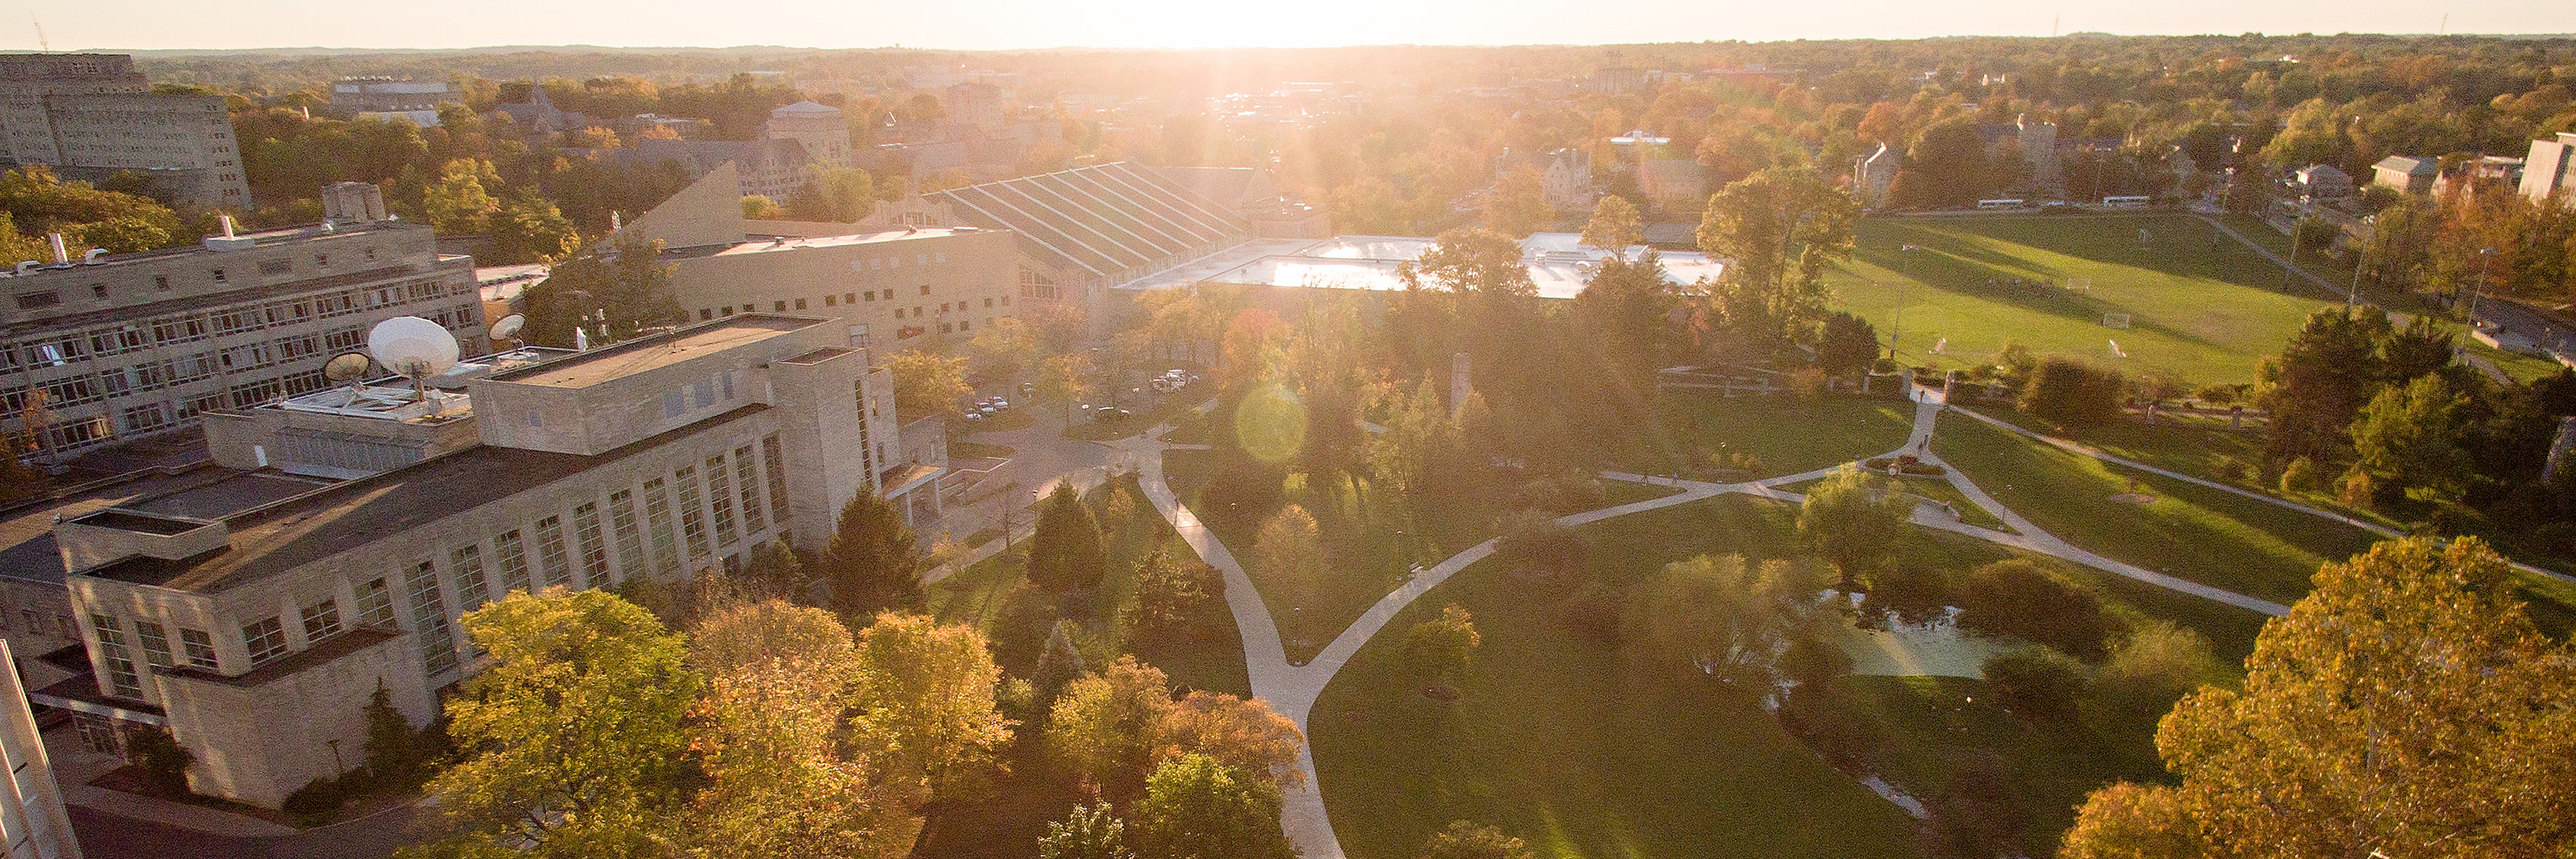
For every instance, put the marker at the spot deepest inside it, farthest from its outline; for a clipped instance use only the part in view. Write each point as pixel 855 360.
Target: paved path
pixel 2332 289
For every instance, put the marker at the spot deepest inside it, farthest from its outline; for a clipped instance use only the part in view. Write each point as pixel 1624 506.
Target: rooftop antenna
pixel 348 367
pixel 48 47
pixel 414 347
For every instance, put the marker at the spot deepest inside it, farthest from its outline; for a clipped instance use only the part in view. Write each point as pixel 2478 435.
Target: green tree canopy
pixel 1067 552
pixel 1854 519
pixel 1196 808
pixel 874 563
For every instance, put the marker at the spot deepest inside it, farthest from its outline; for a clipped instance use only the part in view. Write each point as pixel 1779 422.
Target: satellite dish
pixel 346 366
pixel 412 346
pixel 508 327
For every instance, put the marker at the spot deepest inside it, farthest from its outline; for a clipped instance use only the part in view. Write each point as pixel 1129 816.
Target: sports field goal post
pixel 2079 284
pixel 2115 320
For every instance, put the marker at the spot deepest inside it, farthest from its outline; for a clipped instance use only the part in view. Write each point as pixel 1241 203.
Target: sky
pixel 1008 24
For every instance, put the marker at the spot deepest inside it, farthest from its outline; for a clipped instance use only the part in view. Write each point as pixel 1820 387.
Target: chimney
pixel 228 241
pixel 62 255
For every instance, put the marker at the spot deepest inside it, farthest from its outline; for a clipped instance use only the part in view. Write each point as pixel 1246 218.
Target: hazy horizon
pixel 1174 24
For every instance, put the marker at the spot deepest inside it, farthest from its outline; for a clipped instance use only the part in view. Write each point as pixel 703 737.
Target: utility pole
pixel 2485 256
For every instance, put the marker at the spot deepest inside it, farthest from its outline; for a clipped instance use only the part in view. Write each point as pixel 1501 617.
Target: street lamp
pixel 2360 261
pixel 1896 329
pixel 2485 256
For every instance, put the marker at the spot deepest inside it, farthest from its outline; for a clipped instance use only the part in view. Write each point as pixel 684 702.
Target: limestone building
pixel 890 286
pixel 353 96
pixel 121 346
pixel 92 115
pixel 254 619
pixel 822 129
pixel 1873 174
pixel 33 824
pixel 2550 170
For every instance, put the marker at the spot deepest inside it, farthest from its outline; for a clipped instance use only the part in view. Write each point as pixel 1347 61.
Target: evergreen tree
pixel 1059 663
pixel 393 751
pixel 1090 832
pixel 873 562
pixel 1067 553
pixel 1849 344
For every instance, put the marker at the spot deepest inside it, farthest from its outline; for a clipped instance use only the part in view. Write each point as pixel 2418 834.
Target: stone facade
pixel 661 457
pixel 133 345
pixel 89 115
pixel 33 822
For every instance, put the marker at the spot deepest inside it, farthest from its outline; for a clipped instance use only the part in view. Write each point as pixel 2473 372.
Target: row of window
pixel 59 349
pixel 67 435
pixel 846 298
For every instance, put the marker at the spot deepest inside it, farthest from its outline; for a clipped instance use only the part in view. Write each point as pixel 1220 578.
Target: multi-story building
pixel 2550 170
pixel 820 127
pixel 253 614
pixel 889 285
pixel 1873 174
pixel 33 824
pixel 378 94
pixel 91 115
pixel 122 346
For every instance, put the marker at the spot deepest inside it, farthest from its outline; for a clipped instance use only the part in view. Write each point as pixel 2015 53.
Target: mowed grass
pixel 2204 310
pixel 2194 532
pixel 1940 721
pixel 2202 446
pixel 1788 435
pixel 1586 749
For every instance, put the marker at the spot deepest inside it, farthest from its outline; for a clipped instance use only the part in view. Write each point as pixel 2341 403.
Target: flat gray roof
pixel 585 369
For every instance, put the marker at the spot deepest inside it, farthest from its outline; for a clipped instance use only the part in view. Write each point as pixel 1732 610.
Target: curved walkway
pixel 1291 690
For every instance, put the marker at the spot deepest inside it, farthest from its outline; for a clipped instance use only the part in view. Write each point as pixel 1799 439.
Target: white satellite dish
pixel 346 366
pixel 508 328
pixel 414 347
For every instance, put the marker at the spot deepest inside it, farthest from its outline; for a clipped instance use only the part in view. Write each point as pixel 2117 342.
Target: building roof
pixel 2410 166
pixel 807 108
pixel 643 354
pixel 315 525
pixel 1104 219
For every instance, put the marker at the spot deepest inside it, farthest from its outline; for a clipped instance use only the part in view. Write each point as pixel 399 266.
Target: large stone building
pixel 88 116
pixel 353 96
pixel 2550 170
pixel 822 129
pixel 1873 174
pixel 33 823
pixel 888 285
pixel 129 345
pixel 253 613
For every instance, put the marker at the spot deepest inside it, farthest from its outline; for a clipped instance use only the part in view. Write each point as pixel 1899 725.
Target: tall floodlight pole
pixel 1896 329
pixel 2485 256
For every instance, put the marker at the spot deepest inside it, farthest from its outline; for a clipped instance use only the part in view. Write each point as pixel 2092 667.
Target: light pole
pixel 1896 328
pixel 2485 256
pixel 2361 260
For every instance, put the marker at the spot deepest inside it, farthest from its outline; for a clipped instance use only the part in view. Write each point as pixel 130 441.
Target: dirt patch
pixel 2139 499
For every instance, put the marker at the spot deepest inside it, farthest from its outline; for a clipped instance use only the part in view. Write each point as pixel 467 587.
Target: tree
pixel 1173 600
pixel 2041 686
pixel 1615 226
pixel 1464 840
pixel 1518 206
pixel 1767 292
pixel 1853 519
pixel 164 762
pixel 836 195
pixel 2133 821
pixel 393 753
pixel 1471 261
pixel 1977 814
pixel 2146 672
pixel 38 202
pixel 1196 808
pixel 759 207
pixel 1950 166
pixel 1105 726
pixel 1090 832
pixel 1066 553
pixel 927 384
pixel 925 700
pixel 1848 344
pixel 1724 618
pixel 780 782
pixel 573 735
pixel 1059 662
pixel 626 281
pixel 2319 381
pixel 1289 549
pixel 1442 646
pixel 460 203
pixel 2071 393
pixel 747 635
pixel 1065 380
pixel 2407 706
pixel 2411 435
pixel 873 562
pixel 2017 598
pixel 1002 349
pixel 529 228
pixel 1244 735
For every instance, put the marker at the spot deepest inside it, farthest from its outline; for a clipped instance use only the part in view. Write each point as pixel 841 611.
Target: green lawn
pixel 2522 368
pixel 1786 434
pixel 2206 311
pixel 2197 445
pixel 2197 533
pixel 1583 750
pixel 1938 721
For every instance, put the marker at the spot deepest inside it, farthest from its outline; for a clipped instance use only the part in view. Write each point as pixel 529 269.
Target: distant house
pixel 2406 174
pixel 1675 184
pixel 1568 181
pixel 2321 181
pixel 1872 175
pixel 538 116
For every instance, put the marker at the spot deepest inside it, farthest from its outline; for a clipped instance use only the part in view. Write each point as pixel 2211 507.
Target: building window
pixel 800 304
pixel 871 295
pixel 321 620
pixel 472 591
pixel 265 640
pixel 514 562
pixel 98 290
pixel 219 275
pixel 778 307
pixel 376 604
pixel 853 298
pixel 772 458
pixel 925 289
pixel 200 647
pixel 720 497
pixel 593 545
pixel 156 643
pixel 630 539
pixel 161 282
pixel 657 516
pixel 747 476
pixel 121 676
pixel 828 301
pixel 36 300
pixel 429 618
pixel 551 556
pixel 693 519
pixel 706 313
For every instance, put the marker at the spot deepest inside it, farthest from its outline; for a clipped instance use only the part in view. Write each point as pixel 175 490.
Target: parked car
pixel 1110 413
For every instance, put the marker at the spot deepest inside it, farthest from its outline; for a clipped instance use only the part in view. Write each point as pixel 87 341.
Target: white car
pixel 1000 403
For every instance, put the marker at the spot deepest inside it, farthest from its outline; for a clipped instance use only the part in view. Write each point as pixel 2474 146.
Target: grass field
pixel 1582 749
pixel 1940 720
pixel 2522 368
pixel 2200 446
pixel 2206 311
pixel 1787 434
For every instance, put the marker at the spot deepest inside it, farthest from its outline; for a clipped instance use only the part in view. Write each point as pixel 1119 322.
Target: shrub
pixel 165 763
pixel 1563 492
pixel 1913 594
pixel 2071 393
pixel 316 800
pixel 2357 490
pixel 1593 615
pixel 1532 542
pixel 2017 598
pixel 2041 686
pixel 2148 671
pixel 2299 477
